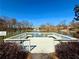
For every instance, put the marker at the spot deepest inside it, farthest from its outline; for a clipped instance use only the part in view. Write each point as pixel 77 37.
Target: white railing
pixel 33 40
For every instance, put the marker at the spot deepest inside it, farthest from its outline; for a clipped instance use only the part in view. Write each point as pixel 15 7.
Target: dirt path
pixel 40 56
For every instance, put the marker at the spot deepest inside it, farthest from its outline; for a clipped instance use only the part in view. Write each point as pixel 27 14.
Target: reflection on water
pixel 52 34
pixel 38 34
pixel 66 38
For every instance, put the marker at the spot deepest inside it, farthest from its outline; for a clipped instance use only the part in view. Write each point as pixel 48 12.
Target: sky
pixel 39 11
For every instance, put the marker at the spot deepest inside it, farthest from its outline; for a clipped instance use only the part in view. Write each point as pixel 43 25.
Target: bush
pixel 12 51
pixel 69 50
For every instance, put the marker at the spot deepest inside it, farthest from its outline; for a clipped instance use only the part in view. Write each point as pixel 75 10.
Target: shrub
pixel 69 50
